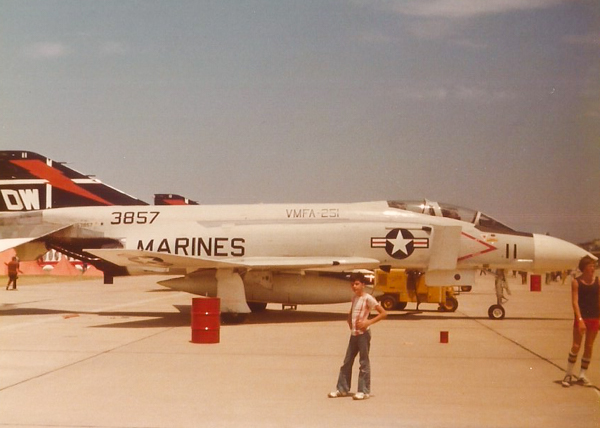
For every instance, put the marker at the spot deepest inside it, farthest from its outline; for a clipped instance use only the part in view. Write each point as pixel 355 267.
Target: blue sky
pixel 492 105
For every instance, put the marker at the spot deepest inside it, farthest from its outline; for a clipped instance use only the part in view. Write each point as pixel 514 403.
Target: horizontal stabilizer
pixel 7 244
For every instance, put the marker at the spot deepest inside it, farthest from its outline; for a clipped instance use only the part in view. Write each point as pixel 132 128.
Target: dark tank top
pixel 588 299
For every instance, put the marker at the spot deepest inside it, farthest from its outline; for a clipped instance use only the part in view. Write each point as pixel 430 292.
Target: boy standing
pixel 585 294
pixel 360 341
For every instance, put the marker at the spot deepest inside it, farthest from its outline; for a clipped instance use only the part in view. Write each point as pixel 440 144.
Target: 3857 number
pixel 133 217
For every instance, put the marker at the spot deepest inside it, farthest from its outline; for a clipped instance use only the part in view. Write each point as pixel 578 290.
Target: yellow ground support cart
pixel 400 286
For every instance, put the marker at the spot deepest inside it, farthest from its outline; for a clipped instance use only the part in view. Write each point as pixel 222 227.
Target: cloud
pixel 477 94
pixel 425 94
pixel 470 44
pixel 438 19
pixel 52 50
pixel 46 50
pixel 583 39
pixel 463 8
pixel 375 37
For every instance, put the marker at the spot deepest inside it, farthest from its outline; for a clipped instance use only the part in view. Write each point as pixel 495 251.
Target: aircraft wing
pixel 153 261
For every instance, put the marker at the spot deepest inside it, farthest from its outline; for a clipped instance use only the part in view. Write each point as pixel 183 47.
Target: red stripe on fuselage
pixel 488 249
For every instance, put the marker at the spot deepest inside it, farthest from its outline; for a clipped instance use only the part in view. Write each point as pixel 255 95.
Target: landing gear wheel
pixel 233 318
pixel 257 306
pixel 389 302
pixel 496 312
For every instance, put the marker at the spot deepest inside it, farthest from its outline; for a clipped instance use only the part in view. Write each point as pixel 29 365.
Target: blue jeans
pixel 358 345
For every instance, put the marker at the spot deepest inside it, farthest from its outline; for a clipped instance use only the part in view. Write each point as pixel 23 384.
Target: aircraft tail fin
pixel 29 181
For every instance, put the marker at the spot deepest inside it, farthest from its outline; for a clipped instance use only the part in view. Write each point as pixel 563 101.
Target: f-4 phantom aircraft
pixel 251 255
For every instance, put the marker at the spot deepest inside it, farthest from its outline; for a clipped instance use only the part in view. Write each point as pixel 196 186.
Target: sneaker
pixel 360 396
pixel 584 381
pixel 337 394
pixel 568 380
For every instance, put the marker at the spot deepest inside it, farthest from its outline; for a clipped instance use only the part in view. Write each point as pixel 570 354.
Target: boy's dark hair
pixel 586 260
pixel 358 276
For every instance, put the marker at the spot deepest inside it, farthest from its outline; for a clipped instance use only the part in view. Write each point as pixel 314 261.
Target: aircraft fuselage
pixel 396 238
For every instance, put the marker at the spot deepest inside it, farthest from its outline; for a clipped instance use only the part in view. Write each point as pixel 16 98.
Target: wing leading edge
pixel 163 262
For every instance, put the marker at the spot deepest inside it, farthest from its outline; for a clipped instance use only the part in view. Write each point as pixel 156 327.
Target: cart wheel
pixel 389 302
pixel 451 304
pixel 496 312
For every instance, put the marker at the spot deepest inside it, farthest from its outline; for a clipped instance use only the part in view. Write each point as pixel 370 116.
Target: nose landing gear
pixel 496 312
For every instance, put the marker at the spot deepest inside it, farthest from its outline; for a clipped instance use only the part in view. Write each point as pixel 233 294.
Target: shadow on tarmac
pixel 182 317
pixel 420 316
pixel 576 384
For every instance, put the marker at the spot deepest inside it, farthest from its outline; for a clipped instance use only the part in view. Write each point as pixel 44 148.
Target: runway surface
pixel 84 354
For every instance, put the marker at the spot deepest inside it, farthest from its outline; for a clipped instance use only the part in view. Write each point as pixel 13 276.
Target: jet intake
pixel 444 248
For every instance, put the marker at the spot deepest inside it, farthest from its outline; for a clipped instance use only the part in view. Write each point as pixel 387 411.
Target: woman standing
pixel 586 307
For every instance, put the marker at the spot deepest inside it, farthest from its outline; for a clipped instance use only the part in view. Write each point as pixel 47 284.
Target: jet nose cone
pixel 553 254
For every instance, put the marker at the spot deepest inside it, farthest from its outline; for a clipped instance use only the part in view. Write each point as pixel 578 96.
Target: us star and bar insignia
pixel 399 243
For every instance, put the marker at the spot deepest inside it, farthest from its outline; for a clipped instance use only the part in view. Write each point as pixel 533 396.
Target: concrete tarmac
pixel 84 354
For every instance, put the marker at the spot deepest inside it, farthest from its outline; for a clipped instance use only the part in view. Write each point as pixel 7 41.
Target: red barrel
pixel 206 322
pixel 535 283
pixel 443 337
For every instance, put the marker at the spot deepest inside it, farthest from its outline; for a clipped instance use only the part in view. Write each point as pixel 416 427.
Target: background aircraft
pixel 251 255
pixel 171 199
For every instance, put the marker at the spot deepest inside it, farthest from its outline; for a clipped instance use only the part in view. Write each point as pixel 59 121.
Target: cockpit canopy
pixel 481 221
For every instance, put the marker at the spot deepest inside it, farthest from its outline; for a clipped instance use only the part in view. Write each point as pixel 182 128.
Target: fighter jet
pixel 251 255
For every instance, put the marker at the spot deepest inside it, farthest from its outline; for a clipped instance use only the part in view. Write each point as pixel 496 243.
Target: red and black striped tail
pixel 29 181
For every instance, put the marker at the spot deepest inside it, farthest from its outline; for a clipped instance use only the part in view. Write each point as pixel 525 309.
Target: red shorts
pixel 591 324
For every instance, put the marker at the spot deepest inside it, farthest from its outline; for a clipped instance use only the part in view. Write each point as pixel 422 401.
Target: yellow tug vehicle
pixel 398 287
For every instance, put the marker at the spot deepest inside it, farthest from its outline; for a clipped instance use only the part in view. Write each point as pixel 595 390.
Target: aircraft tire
pixel 496 312
pixel 257 306
pixel 233 318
